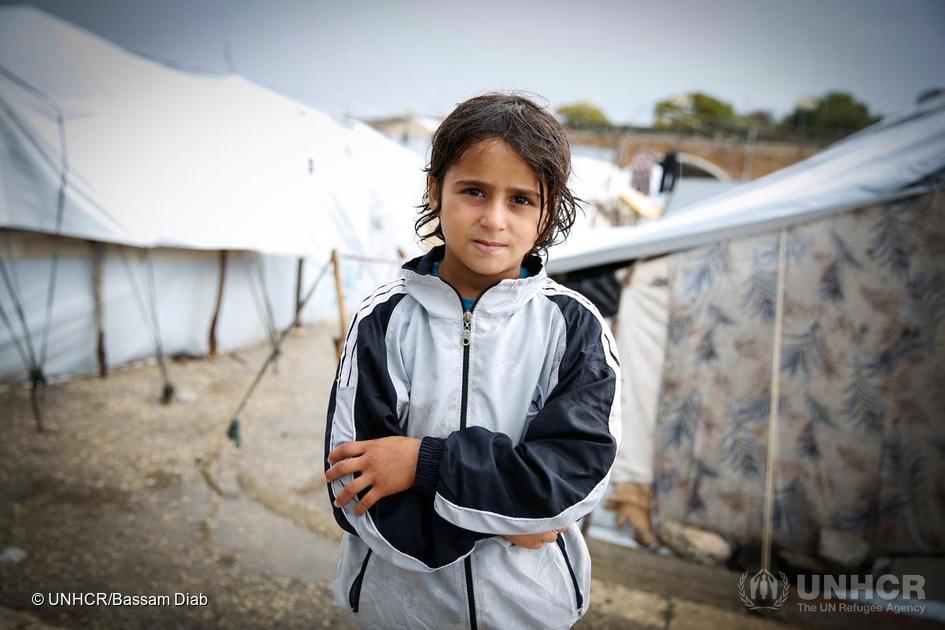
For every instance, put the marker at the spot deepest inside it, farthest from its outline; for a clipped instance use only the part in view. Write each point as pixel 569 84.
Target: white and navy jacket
pixel 518 405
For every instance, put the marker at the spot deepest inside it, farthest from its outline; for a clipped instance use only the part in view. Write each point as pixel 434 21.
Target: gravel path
pixel 112 500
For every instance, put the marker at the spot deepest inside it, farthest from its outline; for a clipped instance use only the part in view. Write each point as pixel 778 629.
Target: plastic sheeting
pixel 878 161
pixel 859 436
pixel 859 445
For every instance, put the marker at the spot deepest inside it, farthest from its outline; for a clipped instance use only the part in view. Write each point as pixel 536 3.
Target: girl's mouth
pixel 488 246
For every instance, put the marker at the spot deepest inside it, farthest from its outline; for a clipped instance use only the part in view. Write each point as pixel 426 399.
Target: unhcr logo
pixel 762 591
pixel 863 594
pixel 903 594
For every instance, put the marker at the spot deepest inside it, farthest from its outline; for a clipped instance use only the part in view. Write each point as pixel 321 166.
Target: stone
pixel 848 549
pixel 13 554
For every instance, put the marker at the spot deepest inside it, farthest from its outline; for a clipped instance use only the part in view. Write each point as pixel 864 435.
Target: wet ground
pixel 112 500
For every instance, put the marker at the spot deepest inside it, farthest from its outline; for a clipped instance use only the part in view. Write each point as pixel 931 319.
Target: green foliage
pixel 832 115
pixel 583 115
pixel 695 110
pixel 835 113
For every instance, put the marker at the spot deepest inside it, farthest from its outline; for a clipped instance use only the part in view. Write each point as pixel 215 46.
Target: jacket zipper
pixel 354 595
pixel 470 592
pixel 466 339
pixel 578 598
pixel 467 332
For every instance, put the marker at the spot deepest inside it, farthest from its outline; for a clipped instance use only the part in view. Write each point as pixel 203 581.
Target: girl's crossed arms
pixel 387 466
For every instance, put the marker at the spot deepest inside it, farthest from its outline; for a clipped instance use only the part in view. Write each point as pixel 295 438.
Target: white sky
pixel 374 58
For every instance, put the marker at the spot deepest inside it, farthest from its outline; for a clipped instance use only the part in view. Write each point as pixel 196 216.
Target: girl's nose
pixel 493 215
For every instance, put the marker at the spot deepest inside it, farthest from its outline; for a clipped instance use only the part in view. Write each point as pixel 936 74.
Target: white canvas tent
pixel 100 145
pixel 860 269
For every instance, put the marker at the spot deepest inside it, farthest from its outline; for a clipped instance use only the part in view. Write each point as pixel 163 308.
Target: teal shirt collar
pixel 468 304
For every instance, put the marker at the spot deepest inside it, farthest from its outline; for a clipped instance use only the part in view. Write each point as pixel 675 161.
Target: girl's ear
pixel 433 193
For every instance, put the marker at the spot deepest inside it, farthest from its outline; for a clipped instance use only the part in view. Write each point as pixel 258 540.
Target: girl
pixel 475 413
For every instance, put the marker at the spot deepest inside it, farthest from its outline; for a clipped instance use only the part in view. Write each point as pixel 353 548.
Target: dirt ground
pixel 112 500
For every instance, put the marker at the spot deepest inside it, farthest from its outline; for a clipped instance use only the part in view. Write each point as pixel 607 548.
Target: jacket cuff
pixel 428 464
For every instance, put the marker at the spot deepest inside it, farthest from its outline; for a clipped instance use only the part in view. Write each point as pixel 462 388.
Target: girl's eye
pixel 521 200
pixel 475 192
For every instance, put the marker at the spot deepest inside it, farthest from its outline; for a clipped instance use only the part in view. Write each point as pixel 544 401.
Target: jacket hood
pixel 441 299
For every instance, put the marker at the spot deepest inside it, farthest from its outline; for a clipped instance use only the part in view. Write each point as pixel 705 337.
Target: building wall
pixel 729 153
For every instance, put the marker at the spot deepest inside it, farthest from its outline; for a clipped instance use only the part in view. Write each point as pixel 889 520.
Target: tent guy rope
pixel 232 429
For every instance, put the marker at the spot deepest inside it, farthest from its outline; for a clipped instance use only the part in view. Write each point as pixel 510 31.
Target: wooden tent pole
pixel 216 310
pixel 771 459
pixel 298 292
pixel 342 315
pixel 98 255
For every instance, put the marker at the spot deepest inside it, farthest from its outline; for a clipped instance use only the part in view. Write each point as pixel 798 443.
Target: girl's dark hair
pixel 532 132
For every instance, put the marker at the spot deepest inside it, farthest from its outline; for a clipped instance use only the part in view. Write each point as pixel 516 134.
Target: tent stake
pixel 37 380
pixel 37 413
pixel 216 310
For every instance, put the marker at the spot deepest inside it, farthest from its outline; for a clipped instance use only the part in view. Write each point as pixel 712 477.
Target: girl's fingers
pixel 348 449
pixel 351 490
pixel 369 499
pixel 344 467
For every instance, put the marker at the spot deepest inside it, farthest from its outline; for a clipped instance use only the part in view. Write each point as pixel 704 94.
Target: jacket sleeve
pixel 559 472
pixel 403 528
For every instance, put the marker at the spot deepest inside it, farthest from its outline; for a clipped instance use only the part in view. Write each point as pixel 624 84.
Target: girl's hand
pixel 535 541
pixel 387 466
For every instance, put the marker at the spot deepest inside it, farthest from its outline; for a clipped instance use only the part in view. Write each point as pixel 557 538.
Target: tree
pixel 835 113
pixel 760 118
pixel 583 115
pixel 695 110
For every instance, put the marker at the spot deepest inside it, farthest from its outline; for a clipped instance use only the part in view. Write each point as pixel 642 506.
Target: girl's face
pixel 489 215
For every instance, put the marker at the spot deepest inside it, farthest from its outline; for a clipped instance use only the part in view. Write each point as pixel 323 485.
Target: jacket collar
pixel 440 299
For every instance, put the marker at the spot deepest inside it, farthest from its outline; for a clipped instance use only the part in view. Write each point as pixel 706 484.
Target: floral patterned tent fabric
pixel 861 426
